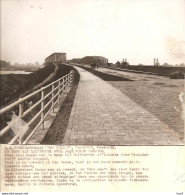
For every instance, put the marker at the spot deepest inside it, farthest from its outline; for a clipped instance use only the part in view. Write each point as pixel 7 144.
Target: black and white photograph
pixel 92 72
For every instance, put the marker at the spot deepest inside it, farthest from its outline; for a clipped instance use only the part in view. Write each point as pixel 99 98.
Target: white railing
pixel 51 92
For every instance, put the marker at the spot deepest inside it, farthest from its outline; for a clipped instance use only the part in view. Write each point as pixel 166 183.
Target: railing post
pixel 20 109
pixel 53 97
pixel 67 81
pixel 59 87
pixel 42 109
pixel 64 83
pixel 20 114
pixel 71 76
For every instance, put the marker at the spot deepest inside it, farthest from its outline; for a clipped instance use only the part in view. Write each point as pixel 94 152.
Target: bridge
pixel 101 115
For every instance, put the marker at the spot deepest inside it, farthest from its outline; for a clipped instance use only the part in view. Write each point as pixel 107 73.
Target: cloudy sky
pixel 138 30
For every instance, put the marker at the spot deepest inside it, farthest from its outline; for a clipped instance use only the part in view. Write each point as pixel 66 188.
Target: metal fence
pixel 47 98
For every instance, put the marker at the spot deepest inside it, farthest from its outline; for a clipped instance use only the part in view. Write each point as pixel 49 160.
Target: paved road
pixel 159 95
pixel 102 115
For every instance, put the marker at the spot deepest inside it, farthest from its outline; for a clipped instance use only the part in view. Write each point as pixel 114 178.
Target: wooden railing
pixel 49 96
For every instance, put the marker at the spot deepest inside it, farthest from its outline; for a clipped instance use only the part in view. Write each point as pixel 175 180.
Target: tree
pixel 118 63
pixel 4 63
pixel 166 64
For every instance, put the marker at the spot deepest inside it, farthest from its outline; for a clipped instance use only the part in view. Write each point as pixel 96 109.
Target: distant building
pixel 102 61
pixel 68 61
pixel 110 64
pixel 76 60
pixel 56 57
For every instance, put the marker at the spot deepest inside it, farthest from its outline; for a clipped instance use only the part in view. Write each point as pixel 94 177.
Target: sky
pixel 139 30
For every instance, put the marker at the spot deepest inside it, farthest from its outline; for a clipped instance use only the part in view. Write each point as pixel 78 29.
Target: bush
pixel 177 75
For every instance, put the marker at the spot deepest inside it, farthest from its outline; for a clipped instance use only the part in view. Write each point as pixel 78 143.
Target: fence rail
pixel 49 96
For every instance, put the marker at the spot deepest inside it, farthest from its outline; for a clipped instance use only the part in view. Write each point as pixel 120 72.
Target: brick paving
pixel 102 115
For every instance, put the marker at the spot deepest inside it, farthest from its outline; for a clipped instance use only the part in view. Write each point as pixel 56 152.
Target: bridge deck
pixel 102 115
